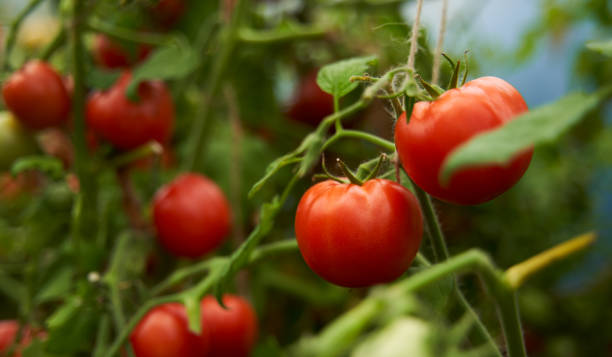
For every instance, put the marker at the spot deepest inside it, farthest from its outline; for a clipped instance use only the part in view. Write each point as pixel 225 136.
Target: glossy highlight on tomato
pixel 357 236
pixel 164 332
pixel 191 215
pixel 109 53
pixel 113 117
pixel 310 104
pixel 437 128
pixel 232 331
pixel 37 96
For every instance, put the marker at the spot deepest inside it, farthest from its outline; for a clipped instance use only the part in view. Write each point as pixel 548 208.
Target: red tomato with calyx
pixel 37 96
pixel 8 332
pixel 437 128
pixel 164 332
pixel 233 331
pixel 112 54
pixel 191 215
pixel 113 117
pixel 358 236
pixel 310 104
pixel 168 12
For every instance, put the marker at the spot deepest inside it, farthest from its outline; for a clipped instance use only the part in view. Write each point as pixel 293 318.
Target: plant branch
pixel 57 42
pixel 97 25
pixel 356 134
pixel 11 36
pixel 517 274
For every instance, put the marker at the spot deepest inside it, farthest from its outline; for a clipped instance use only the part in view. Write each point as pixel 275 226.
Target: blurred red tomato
pixel 37 96
pixel 168 12
pixel 191 215
pixel 310 104
pixel 232 331
pixel 113 117
pixel 112 54
pixel 8 332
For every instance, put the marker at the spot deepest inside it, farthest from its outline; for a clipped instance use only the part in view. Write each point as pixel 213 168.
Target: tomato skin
pixel 164 332
pixel 191 215
pixel 112 116
pixel 233 331
pixel 437 128
pixel 357 236
pixel 8 332
pixel 111 54
pixel 37 96
pixel 310 104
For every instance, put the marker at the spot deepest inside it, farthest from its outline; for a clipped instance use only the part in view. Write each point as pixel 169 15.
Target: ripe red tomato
pixel 437 128
pixel 8 332
pixel 233 331
pixel 112 54
pixel 164 332
pixel 126 124
pixel 310 104
pixel 358 236
pixel 37 96
pixel 191 215
pixel 168 12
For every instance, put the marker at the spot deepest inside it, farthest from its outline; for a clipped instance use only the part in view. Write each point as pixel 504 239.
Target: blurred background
pixel 537 46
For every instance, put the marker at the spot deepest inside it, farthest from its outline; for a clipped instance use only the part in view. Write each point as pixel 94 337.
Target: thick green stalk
pixel 228 40
pixel 54 45
pixel 441 254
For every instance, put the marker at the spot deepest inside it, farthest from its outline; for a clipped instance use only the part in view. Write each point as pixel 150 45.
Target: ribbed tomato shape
pixel 357 236
pixel 233 331
pixel 37 96
pixel 191 215
pixel 437 128
pixel 164 332
pixel 126 124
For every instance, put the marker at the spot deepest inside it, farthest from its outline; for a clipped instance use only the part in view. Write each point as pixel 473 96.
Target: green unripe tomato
pixel 15 141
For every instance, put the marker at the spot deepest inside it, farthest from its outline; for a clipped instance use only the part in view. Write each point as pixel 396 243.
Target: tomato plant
pixel 232 330
pixel 163 332
pixel 127 124
pixel 358 236
pixel 191 215
pixel 112 54
pixel 436 128
pixel 37 96
pixel 8 333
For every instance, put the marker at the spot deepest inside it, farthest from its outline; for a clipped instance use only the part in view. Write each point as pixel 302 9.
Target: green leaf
pixel 175 60
pixel 539 126
pixel 100 78
pixel 335 78
pixel 49 165
pixel 57 287
pixel 64 312
pixel 75 334
pixel 603 47
pixel 404 337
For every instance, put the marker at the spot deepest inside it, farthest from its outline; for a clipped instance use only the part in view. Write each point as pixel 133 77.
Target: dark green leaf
pixel 49 165
pixel 173 61
pixel 75 333
pixel 538 126
pixel 603 47
pixel 334 78
pixel 57 287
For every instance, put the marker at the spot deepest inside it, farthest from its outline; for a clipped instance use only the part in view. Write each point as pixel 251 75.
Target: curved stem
pixel 356 134
pixel 11 37
pixel 248 35
pixel 54 45
pixel 441 254
pixel 126 34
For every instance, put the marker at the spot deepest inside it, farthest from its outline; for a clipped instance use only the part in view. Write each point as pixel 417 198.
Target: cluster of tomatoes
pixel 357 236
pixel 191 214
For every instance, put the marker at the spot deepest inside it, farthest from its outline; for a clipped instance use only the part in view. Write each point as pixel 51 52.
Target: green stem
pixel 441 254
pixel 102 336
pixel 273 249
pixel 248 35
pixel 11 36
pixel 356 134
pixel 54 45
pixel 146 150
pixel 228 40
pixel 126 34
pixel 511 322
pixel 86 216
